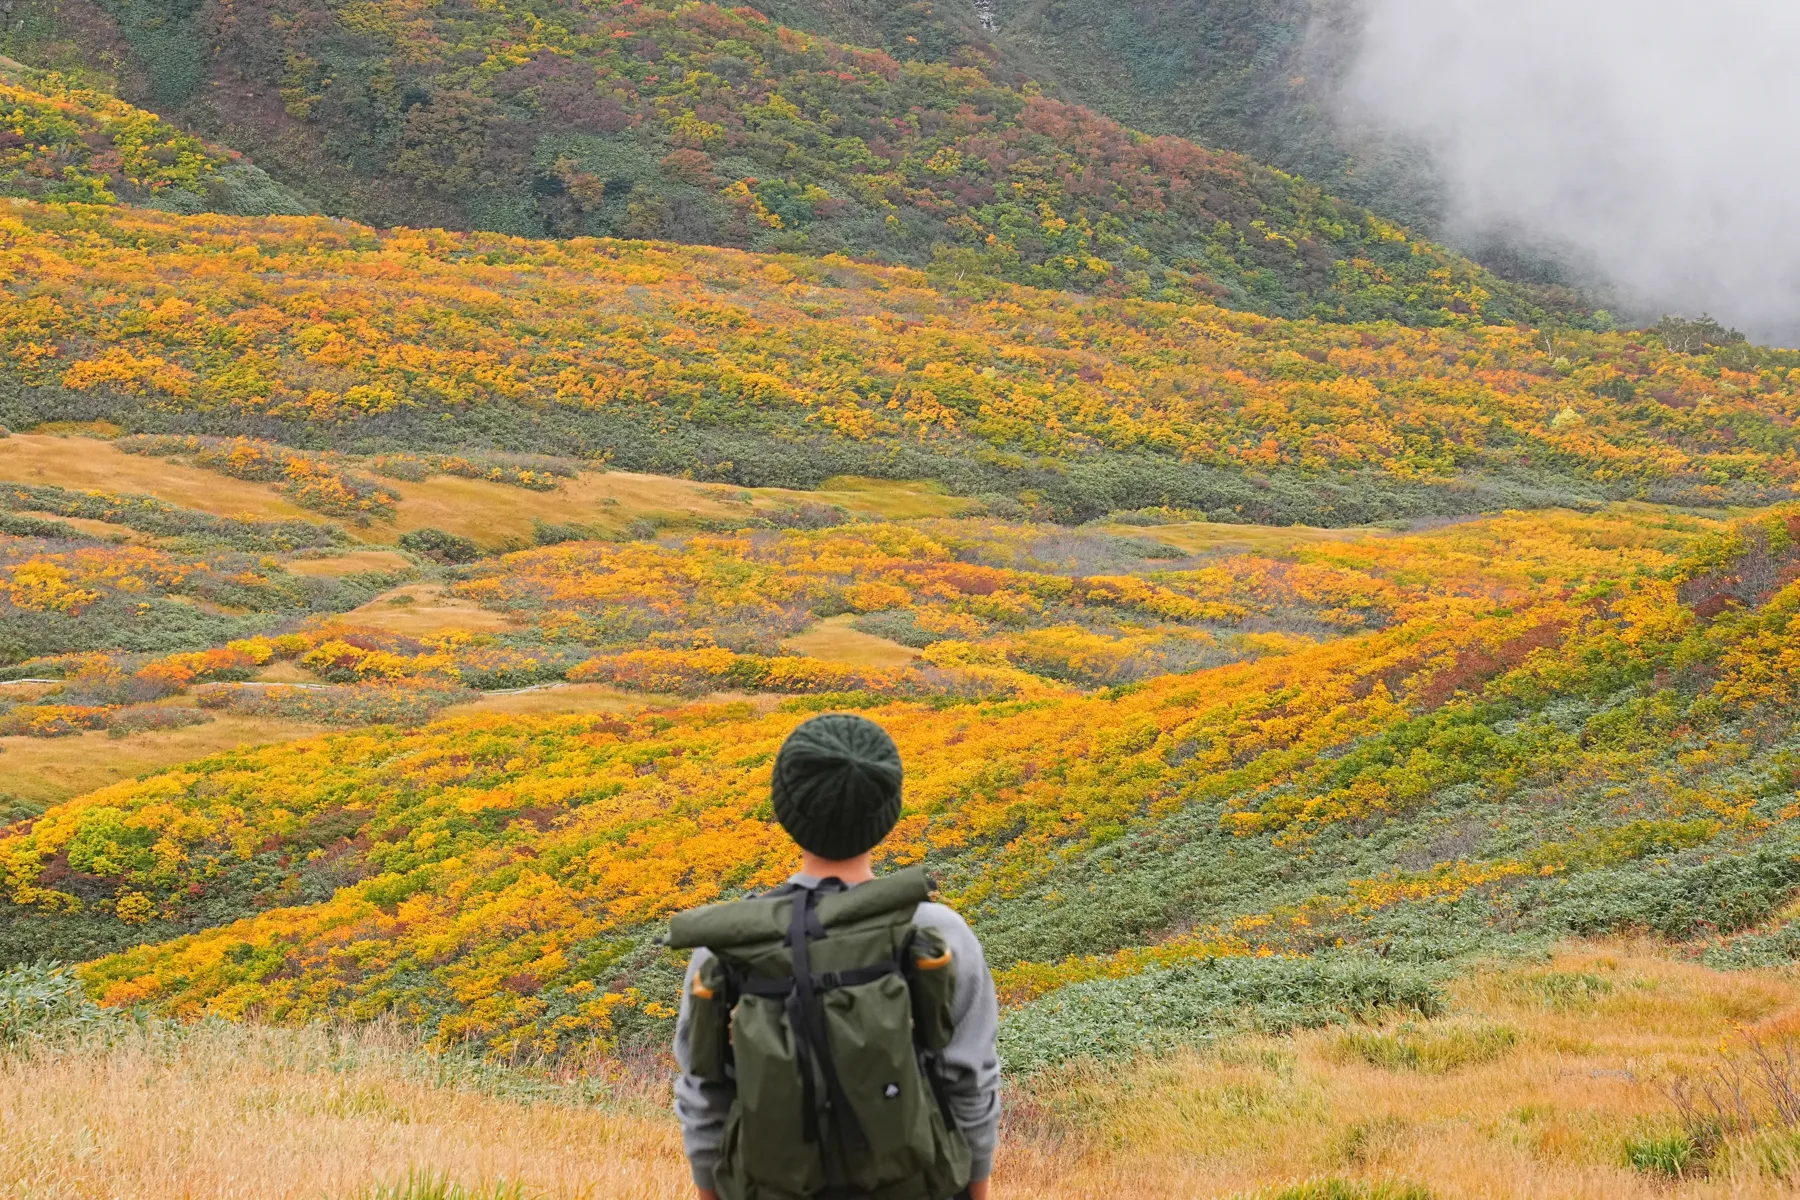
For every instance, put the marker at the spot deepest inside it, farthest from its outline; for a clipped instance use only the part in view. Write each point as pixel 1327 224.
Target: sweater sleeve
pixel 700 1105
pixel 971 1062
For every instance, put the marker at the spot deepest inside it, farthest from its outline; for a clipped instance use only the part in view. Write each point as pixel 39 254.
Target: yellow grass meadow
pixel 1534 1091
pixel 85 463
pixel 54 769
pixel 488 512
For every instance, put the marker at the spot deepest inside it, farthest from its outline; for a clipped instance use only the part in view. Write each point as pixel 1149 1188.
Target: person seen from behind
pixel 836 1039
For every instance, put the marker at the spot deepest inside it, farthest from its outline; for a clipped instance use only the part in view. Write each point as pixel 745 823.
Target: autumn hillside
pixel 758 370
pixel 61 141
pixel 1498 734
pixel 701 124
pixel 1352 696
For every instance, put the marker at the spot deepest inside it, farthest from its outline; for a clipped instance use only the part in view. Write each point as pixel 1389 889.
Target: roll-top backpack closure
pixel 766 918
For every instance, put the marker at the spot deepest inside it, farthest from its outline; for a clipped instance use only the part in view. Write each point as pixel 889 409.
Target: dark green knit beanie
pixel 836 788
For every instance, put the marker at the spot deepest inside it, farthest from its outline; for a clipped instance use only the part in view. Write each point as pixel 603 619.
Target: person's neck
pixel 850 870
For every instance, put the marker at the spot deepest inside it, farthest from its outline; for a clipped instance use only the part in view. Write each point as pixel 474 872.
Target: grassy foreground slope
pixel 1595 735
pixel 788 370
pixel 1538 1082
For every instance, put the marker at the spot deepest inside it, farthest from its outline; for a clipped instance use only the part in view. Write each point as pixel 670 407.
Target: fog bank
pixel 1658 139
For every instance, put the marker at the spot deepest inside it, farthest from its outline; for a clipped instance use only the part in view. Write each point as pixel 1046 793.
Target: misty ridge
pixel 1649 147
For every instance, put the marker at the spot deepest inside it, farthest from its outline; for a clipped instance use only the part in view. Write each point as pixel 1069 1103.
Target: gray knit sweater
pixel 971 1065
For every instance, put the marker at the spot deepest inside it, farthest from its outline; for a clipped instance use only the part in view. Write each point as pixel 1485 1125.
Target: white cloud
pixel 1661 138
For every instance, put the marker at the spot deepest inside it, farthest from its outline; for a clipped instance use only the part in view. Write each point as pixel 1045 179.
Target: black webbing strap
pixel 934 1076
pixel 803 1059
pixel 733 993
pixel 809 1025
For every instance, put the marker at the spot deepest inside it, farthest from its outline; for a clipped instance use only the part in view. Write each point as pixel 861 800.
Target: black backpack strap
pixel 933 1071
pixel 735 979
pixel 808 1020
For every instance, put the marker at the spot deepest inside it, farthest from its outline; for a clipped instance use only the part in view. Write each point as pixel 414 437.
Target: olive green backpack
pixel 826 1008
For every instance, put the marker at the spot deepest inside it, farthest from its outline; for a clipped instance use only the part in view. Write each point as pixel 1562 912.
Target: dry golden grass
pixel 87 463
pixel 598 697
pixel 51 769
pixel 885 498
pixel 420 609
pixel 1547 1118
pixel 352 563
pixel 270 1113
pixel 561 698
pixel 89 429
pixel 285 670
pixel 1199 536
pixel 490 513
pixel 102 529
pixel 833 640
pixel 228 1114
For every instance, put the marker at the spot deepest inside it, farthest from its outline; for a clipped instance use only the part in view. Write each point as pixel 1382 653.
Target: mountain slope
pixel 787 370
pixel 1252 76
pixel 704 125
pixel 59 141
pixel 1597 738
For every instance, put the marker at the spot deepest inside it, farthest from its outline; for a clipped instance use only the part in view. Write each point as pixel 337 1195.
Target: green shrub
pixel 148 717
pixel 365 704
pixel 1195 1002
pixel 833 702
pixel 1674 1154
pixel 18 808
pixel 1775 948
pixel 1680 900
pixel 546 533
pixel 535 472
pixel 440 545
pixel 19 525
pixel 44 1001
pixel 427 1185
pixel 1158 514
pixel 1625 843
pixel 1344 1189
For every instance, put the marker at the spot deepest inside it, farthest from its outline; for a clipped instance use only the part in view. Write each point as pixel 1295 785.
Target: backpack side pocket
pixel 931 975
pixel 709 1016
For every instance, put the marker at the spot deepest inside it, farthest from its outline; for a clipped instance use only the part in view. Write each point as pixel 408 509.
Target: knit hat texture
pixel 836 787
